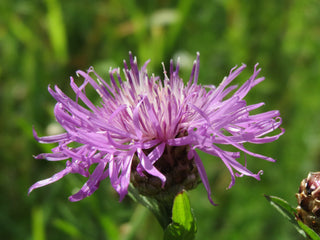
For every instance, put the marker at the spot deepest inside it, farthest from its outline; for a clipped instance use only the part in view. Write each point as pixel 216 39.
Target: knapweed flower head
pixel 146 130
pixel 308 209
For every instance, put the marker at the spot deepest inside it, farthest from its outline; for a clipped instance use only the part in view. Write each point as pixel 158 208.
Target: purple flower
pixel 141 117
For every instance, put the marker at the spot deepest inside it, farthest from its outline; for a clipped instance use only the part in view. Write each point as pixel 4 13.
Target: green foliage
pixel 311 234
pixel 183 224
pixel 286 210
pixel 38 229
pixel 161 210
pixel 290 213
pixel 44 42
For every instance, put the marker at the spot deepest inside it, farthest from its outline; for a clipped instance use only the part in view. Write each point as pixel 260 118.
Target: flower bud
pixel 308 210
pixel 181 174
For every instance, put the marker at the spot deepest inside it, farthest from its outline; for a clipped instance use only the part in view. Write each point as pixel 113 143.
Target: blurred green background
pixel 44 42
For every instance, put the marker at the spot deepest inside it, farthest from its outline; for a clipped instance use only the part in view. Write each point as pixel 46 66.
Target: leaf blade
pixel 286 210
pixel 183 224
pixel 312 234
pixel 283 207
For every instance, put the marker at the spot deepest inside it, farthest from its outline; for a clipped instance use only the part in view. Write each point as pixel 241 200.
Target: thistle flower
pixel 146 130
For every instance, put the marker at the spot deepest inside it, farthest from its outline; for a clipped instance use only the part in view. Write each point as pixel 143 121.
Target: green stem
pixel 162 210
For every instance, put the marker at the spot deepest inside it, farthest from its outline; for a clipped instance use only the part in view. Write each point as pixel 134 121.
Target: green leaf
pixel 183 224
pixel 312 234
pixel 181 211
pixel 283 207
pixel 286 210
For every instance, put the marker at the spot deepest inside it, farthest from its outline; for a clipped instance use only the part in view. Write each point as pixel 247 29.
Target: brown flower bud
pixel 181 174
pixel 308 210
